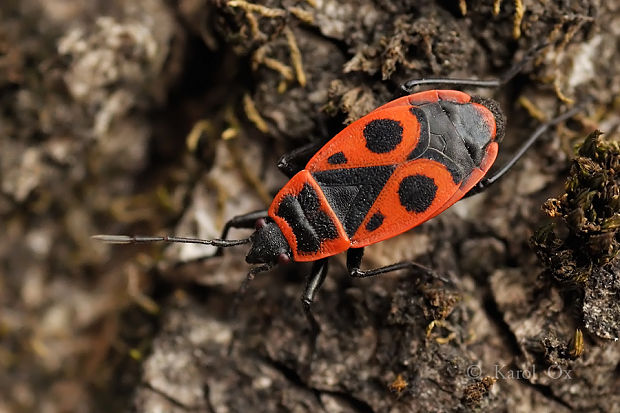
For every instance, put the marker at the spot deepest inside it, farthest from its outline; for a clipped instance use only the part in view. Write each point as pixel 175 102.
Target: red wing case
pixel 398 166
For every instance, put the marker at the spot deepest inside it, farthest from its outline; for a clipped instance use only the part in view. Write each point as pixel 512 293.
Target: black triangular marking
pixel 369 181
pixel 340 197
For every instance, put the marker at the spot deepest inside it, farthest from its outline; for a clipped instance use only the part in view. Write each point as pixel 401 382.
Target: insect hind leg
pixel 354 261
pixel 514 70
pixel 488 181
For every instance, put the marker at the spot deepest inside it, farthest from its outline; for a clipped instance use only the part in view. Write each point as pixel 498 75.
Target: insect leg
pixel 354 261
pixel 241 221
pixel 503 79
pixel 295 161
pixel 313 283
pixel 486 182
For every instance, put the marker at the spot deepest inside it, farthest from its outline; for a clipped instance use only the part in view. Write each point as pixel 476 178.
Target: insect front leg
pixel 313 283
pixel 296 160
pixel 241 221
pixel 354 261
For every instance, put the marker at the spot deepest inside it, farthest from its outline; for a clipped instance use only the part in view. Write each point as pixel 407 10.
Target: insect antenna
pixel 139 239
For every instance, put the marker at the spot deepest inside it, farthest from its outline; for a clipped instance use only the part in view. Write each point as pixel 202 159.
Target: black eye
pixel 284 258
pixel 260 223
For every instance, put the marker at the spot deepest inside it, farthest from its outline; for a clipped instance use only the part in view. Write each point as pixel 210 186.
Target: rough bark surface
pixel 169 117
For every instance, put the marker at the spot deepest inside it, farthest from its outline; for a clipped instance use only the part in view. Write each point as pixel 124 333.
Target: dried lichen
pixel 475 392
pixel 587 256
pixel 590 209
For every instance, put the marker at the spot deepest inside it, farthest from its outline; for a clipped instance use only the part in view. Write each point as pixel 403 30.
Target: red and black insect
pixel 395 168
pixel 391 170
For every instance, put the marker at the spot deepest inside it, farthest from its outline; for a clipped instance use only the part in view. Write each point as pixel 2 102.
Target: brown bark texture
pixel 168 117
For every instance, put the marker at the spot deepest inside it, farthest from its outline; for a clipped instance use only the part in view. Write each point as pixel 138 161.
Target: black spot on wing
pixel 417 192
pixel 383 135
pixel 337 159
pixel 375 221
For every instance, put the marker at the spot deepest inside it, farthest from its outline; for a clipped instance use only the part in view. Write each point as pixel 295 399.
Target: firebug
pixel 386 173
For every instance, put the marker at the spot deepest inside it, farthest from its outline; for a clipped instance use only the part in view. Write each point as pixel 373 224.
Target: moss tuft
pixel 590 209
